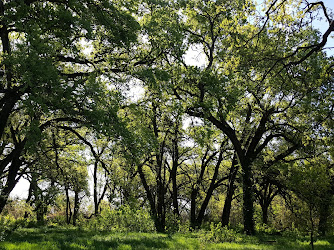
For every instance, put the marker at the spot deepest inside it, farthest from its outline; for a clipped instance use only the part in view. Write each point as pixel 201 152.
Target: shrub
pixel 265 229
pixel 292 232
pixel 17 208
pixel 9 224
pixel 123 219
pixel 56 219
pixel 172 223
pixel 217 233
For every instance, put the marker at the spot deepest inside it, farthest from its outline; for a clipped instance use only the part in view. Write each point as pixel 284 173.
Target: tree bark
pixel 248 206
pixel 229 194
pixel 38 199
pixel 159 220
pixel 173 175
pixel 76 207
pixel 96 204
pixel 324 215
pixel 68 207
pixel 193 196
pixel 11 97
pixel 174 192
pixel 161 215
pixel 227 207
pixel 265 214
pixel 13 176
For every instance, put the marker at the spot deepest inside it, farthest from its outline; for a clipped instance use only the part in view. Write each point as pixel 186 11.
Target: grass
pixel 65 238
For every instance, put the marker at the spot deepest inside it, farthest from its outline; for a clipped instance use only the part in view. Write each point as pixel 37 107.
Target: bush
pixel 176 223
pixel 56 219
pixel 17 208
pixel 184 226
pixel 9 224
pixel 123 219
pixel 265 229
pixel 292 232
pixel 218 233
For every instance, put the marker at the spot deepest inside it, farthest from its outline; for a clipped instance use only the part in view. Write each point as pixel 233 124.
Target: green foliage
pixel 266 229
pixel 176 224
pixel 8 224
pixel 264 87
pixel 17 208
pixel 172 223
pixel 123 219
pixel 218 233
pixel 292 232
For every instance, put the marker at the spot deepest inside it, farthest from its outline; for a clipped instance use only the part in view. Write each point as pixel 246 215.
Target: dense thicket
pixel 198 111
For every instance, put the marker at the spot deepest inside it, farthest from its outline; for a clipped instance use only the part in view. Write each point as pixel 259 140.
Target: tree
pixel 53 55
pixel 98 149
pixel 156 152
pixel 311 182
pixel 231 187
pixel 40 198
pixel 259 83
pixel 266 190
pixel 264 86
pixel 204 169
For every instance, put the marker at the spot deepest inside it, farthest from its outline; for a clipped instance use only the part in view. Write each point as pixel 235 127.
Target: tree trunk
pixel 227 206
pixel 38 199
pixel 324 215
pixel 173 174
pixel 230 192
pixel 312 227
pixel 201 213
pixel 248 206
pixel 68 207
pixel 265 208
pixel 40 211
pixel 161 215
pixel 28 200
pixel 175 194
pixel 193 196
pixel 158 223
pixel 212 187
pixel 11 97
pixel 76 207
pixel 96 204
pixel 12 178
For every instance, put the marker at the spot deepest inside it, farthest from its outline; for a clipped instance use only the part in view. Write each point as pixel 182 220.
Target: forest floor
pixel 65 238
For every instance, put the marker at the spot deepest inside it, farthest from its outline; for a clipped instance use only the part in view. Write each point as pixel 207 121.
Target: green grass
pixel 65 238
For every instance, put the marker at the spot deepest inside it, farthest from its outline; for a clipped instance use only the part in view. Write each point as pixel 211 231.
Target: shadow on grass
pixel 81 239
pixel 65 238
pixel 281 242
pixel 134 243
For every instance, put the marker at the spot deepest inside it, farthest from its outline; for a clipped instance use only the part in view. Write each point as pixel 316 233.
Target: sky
pixel 329 4
pixel 21 189
pixel 323 26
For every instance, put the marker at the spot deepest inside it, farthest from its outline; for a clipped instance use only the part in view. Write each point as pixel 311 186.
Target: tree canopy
pixel 253 119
